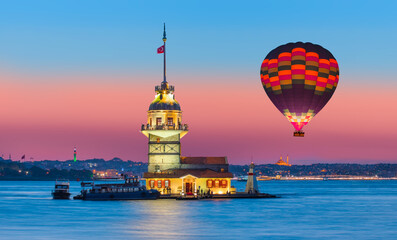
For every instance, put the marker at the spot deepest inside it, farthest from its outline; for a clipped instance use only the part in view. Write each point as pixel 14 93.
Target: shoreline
pixel 274 179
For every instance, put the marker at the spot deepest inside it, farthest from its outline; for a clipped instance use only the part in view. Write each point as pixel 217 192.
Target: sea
pixel 304 210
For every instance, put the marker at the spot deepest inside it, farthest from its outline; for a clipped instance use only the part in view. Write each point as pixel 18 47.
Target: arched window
pixel 151 183
pixel 159 183
pixel 224 183
pixel 170 121
pixel 209 183
pixel 167 183
pixel 216 183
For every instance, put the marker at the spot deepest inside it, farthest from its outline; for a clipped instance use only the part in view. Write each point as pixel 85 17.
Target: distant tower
pixel 252 184
pixel 164 127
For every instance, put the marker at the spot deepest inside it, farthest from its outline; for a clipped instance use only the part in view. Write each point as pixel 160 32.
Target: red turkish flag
pixel 160 49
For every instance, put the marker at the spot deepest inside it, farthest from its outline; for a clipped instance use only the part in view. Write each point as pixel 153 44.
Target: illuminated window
pixel 209 183
pixel 216 183
pixel 170 121
pixel 224 183
pixel 159 183
pixel 166 183
pixel 158 121
pixel 151 183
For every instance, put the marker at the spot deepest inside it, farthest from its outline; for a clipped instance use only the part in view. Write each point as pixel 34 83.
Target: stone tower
pixel 164 126
pixel 252 184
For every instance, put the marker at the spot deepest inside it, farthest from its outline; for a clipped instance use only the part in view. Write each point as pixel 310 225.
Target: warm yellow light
pixel 220 192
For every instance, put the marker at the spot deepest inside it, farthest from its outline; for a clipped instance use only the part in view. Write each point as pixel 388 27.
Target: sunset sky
pixel 82 73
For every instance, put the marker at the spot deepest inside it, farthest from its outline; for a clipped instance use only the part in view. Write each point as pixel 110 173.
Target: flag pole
pixel 164 40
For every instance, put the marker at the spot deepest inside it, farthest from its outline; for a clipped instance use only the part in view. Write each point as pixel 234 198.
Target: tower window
pixel 170 121
pixel 158 121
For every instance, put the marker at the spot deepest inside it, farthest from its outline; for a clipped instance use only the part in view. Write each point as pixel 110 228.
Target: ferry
pixel 263 178
pixel 131 189
pixel 61 190
pixel 242 178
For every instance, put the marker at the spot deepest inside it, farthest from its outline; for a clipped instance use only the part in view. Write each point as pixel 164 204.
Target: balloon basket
pixel 299 134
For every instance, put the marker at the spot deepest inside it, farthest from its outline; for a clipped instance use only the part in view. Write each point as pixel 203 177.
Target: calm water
pixel 307 210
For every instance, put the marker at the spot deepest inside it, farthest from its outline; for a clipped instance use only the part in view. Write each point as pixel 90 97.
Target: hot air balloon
pixel 299 78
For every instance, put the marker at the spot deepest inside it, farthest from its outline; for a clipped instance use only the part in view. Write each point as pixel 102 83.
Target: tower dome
pixel 165 99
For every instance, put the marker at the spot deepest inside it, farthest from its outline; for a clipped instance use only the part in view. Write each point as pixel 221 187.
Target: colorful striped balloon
pixel 299 78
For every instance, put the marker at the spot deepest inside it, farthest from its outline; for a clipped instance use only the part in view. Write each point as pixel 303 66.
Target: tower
pixel 252 184
pixel 164 127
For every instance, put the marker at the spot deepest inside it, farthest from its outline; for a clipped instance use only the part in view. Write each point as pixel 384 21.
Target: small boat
pixel 61 190
pixel 131 189
pixel 108 178
pixel 263 178
pixel 242 178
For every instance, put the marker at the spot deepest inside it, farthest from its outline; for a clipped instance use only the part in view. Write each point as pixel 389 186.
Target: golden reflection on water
pixel 161 218
pixel 169 218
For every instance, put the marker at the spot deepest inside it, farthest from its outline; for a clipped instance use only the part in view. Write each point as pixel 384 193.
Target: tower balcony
pixel 183 127
pixel 164 130
pixel 164 88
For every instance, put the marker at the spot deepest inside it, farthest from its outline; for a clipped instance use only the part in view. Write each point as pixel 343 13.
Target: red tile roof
pixel 204 160
pixel 200 173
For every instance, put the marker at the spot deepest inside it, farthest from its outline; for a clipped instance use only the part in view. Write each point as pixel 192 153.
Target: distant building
pixel 168 171
pixel 281 162
pixel 109 173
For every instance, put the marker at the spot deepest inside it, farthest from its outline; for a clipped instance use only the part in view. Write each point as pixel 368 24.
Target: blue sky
pixel 64 63
pixel 204 36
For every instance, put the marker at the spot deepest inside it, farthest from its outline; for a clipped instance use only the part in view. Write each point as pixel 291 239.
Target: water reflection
pixel 306 210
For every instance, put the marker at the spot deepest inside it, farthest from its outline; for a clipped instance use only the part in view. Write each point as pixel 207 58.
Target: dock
pixel 216 196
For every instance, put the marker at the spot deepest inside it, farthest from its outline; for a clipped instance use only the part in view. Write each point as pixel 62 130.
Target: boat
pixel 263 178
pixel 61 190
pixel 242 178
pixel 111 178
pixel 130 189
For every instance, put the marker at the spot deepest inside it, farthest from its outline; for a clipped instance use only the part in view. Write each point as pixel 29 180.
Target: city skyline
pixel 90 84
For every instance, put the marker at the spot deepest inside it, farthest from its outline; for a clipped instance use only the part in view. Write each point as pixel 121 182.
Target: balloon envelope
pixel 299 78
